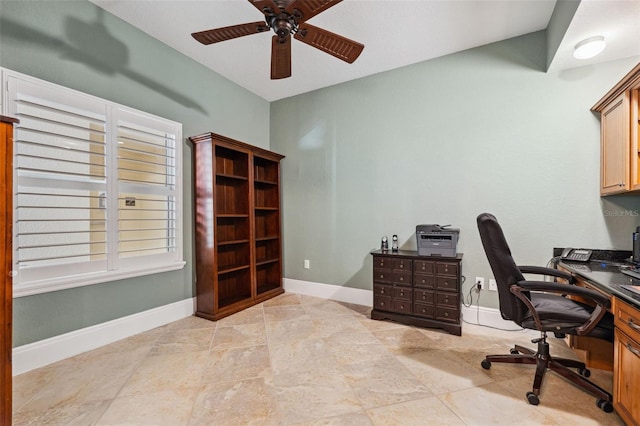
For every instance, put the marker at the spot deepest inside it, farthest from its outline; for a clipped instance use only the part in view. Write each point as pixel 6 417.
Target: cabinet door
pixel 627 378
pixel 614 128
pixel 634 107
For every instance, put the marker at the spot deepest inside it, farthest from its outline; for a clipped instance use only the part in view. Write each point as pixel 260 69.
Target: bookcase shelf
pixel 238 245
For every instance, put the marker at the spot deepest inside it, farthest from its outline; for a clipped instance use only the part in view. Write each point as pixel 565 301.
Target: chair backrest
pixel 504 268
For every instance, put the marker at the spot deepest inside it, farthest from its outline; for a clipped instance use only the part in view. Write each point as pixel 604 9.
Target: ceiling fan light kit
pixel 286 18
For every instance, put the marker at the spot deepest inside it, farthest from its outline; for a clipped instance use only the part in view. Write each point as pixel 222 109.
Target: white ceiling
pixel 395 33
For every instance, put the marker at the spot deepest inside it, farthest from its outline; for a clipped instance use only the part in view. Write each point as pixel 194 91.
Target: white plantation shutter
pixel 147 191
pixel 97 193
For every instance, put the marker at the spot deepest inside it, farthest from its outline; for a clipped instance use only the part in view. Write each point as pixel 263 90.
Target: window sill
pixel 49 285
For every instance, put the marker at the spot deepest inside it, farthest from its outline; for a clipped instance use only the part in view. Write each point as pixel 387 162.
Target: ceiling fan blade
pixel 228 33
pixel 264 6
pixel 307 9
pixel 280 57
pixel 333 44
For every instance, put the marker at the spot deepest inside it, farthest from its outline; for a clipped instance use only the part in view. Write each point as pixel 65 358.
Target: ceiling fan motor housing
pixel 283 25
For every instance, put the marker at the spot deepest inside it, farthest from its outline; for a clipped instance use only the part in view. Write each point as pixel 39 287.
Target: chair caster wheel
pixel 584 372
pixel 485 364
pixel 604 405
pixel 513 351
pixel 532 398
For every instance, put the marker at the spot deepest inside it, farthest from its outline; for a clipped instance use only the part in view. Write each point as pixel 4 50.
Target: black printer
pixel 436 240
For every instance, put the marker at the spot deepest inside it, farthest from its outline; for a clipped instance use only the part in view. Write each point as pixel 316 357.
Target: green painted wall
pixel 484 130
pixel 75 44
pixel 560 20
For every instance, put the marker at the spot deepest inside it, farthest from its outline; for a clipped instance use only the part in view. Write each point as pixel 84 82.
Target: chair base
pixel 543 362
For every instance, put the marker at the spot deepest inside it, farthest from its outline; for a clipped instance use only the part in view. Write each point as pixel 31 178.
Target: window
pixel 97 189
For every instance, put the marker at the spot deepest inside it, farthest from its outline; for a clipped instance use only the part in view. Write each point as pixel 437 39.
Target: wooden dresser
pixel 417 290
pixel 6 284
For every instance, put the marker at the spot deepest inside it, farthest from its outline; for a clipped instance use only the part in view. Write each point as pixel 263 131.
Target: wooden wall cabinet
pixel 6 283
pixel 417 290
pixel 619 129
pixel 238 239
pixel 626 381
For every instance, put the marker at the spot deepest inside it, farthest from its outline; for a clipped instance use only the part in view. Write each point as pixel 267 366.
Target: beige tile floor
pixel 301 360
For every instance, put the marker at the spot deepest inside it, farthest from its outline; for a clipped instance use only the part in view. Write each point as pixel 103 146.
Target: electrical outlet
pixel 493 286
pixel 307 264
pixel 479 283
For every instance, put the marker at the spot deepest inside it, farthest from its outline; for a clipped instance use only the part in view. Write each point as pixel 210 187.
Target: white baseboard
pixel 356 296
pixel 38 354
pixel 483 316
pixel 489 317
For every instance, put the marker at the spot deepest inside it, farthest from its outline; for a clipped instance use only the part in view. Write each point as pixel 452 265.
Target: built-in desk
pixel 606 278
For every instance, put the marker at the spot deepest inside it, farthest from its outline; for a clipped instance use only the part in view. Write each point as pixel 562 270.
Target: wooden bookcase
pixel 238 239
pixel 6 282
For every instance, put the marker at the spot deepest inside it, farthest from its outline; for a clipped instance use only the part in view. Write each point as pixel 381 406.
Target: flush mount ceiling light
pixel 590 47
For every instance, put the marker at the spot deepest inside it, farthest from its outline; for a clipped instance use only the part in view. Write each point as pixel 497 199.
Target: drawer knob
pixel 401 306
pixel 401 265
pixel 424 310
pixel 381 276
pixel 401 278
pixel 382 291
pixel 446 314
pixel 381 303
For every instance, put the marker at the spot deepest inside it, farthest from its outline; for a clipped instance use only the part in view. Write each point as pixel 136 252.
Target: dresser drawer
pixel 382 275
pixel 420 280
pixel 402 306
pixel 444 313
pixel 382 302
pixel 423 267
pixel 448 299
pixel 447 268
pixel 422 310
pixel 402 293
pixel 402 278
pixel 382 263
pixel 627 319
pixel 382 290
pixel 447 283
pixel 423 296
pixel 402 264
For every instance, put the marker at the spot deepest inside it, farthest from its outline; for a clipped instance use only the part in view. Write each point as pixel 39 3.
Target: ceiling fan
pixel 287 17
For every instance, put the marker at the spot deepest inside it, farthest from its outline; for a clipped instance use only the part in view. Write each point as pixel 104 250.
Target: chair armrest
pixel 602 301
pixel 541 270
pixel 551 287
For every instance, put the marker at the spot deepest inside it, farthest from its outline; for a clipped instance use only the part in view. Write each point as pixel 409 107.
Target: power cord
pixel 467 301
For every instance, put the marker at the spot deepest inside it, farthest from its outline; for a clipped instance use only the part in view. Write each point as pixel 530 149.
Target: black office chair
pixel 542 305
